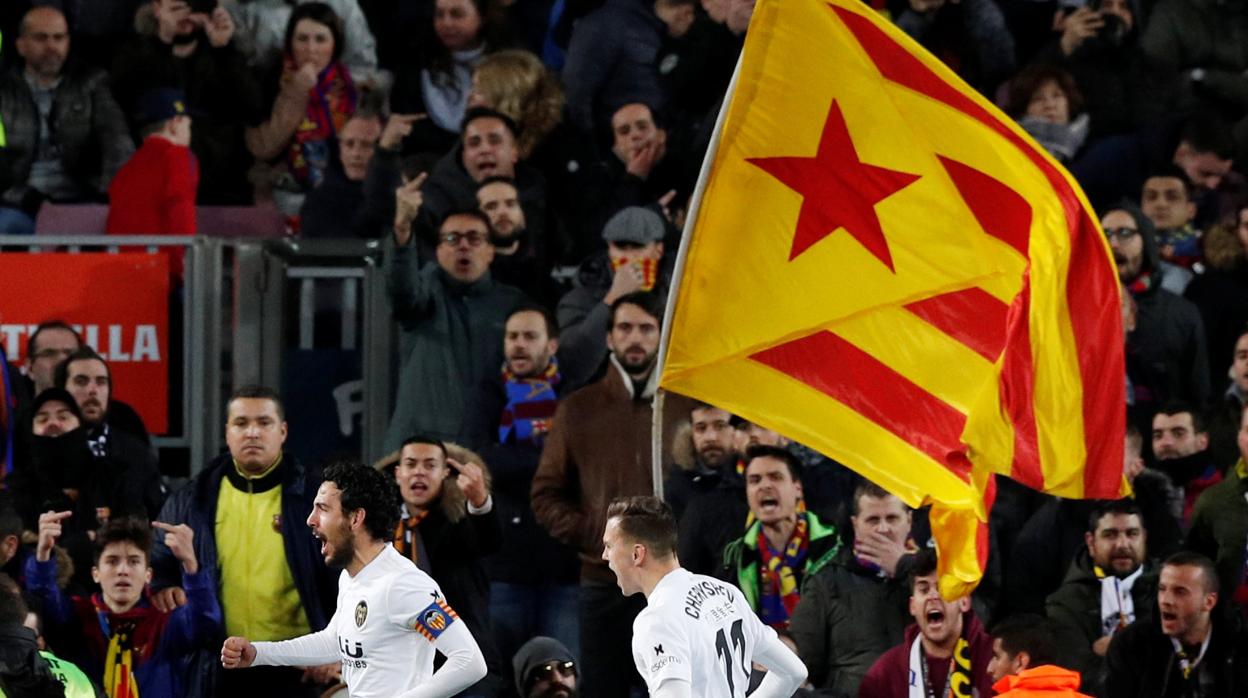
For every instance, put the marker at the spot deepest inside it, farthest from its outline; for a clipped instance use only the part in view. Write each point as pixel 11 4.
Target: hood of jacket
pixel 1042 679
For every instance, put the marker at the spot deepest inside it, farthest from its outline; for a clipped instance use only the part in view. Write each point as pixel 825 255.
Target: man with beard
pixel 1195 650
pixel 598 449
pixel 1181 446
pixel 88 378
pixel 711 458
pixel 193 51
pixel 244 508
pixel 533 578
pixel 390 616
pixel 784 545
pixel 1166 356
pixel 946 647
pixel 521 256
pixel 66 136
pixel 544 668
pixel 450 314
pixel 1110 585
pixel 854 609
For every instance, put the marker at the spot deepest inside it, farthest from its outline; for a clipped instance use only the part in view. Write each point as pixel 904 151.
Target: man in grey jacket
pixel 450 313
pixel 66 134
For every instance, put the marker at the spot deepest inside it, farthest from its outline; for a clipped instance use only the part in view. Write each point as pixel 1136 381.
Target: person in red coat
pixel 945 653
pixel 154 192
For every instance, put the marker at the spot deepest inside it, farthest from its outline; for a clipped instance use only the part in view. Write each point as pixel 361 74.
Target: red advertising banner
pixel 119 303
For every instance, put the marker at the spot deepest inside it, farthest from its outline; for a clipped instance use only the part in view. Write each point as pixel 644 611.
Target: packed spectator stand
pixel 438 237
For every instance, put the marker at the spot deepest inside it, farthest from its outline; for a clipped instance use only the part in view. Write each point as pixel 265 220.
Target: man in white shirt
pixel 390 615
pixel 697 635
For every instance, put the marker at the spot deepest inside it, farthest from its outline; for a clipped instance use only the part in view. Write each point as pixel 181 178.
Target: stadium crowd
pixel 486 143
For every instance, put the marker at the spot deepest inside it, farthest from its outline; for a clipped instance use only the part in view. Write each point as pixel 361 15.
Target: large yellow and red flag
pixel 885 267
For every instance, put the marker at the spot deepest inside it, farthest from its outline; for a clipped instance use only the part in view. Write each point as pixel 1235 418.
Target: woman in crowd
pixel 1047 104
pixel 314 97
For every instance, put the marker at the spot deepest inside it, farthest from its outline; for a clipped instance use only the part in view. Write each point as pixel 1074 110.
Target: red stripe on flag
pixel 1087 289
pixel 833 366
pixel 971 316
pixel 1001 212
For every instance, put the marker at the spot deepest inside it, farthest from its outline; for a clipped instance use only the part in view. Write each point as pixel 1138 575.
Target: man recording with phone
pixel 188 44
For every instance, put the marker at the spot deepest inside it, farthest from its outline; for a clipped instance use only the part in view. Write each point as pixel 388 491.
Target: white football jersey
pixel 384 627
pixel 698 629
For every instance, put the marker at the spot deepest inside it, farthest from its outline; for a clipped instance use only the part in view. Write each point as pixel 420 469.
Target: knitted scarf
pixel 407 541
pixel 649 271
pixel 780 574
pixel 330 103
pixel 958 683
pixel 530 406
pixel 124 641
pixel 1117 604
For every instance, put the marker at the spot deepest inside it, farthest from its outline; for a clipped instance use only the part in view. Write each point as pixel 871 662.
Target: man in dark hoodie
pixel 705 457
pixel 1166 354
pixel 946 645
pixel 59 473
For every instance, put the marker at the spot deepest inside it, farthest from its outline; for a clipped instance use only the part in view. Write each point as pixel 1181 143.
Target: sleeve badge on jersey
pixel 434 620
pixel 361 613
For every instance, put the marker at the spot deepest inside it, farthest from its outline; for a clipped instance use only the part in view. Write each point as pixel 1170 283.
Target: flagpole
pixel 656 423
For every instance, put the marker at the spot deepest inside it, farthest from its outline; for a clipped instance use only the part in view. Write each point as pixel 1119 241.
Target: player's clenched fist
pixel 237 653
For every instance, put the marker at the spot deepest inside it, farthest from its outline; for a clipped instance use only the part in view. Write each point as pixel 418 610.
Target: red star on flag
pixel 838 190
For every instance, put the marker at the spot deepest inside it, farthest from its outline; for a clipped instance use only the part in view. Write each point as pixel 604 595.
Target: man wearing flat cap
pixel 634 261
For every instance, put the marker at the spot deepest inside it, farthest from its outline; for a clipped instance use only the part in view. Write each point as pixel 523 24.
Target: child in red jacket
pixel 154 192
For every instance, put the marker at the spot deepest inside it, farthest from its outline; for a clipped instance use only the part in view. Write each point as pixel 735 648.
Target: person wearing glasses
pixel 545 669
pixel 1166 355
pixel 450 313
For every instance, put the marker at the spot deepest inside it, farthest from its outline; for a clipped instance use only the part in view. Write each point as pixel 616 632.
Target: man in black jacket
pixel 448 525
pixel 66 135
pixel 1195 650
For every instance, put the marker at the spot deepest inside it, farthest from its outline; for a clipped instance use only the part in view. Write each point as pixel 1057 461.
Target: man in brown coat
pixel 598 449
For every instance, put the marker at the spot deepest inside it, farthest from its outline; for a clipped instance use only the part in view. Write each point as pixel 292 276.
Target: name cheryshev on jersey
pixel 701 593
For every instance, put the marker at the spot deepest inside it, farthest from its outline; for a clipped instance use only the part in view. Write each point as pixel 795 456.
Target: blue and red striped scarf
pixel 781 574
pixel 530 406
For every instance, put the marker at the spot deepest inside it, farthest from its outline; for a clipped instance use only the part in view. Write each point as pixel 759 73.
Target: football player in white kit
pixel 390 615
pixel 697 635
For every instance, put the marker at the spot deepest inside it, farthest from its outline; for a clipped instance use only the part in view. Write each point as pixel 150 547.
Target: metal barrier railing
pixel 248 305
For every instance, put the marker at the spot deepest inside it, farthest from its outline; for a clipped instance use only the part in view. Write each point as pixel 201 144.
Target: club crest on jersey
pixel 658 649
pixel 434 620
pixel 361 613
